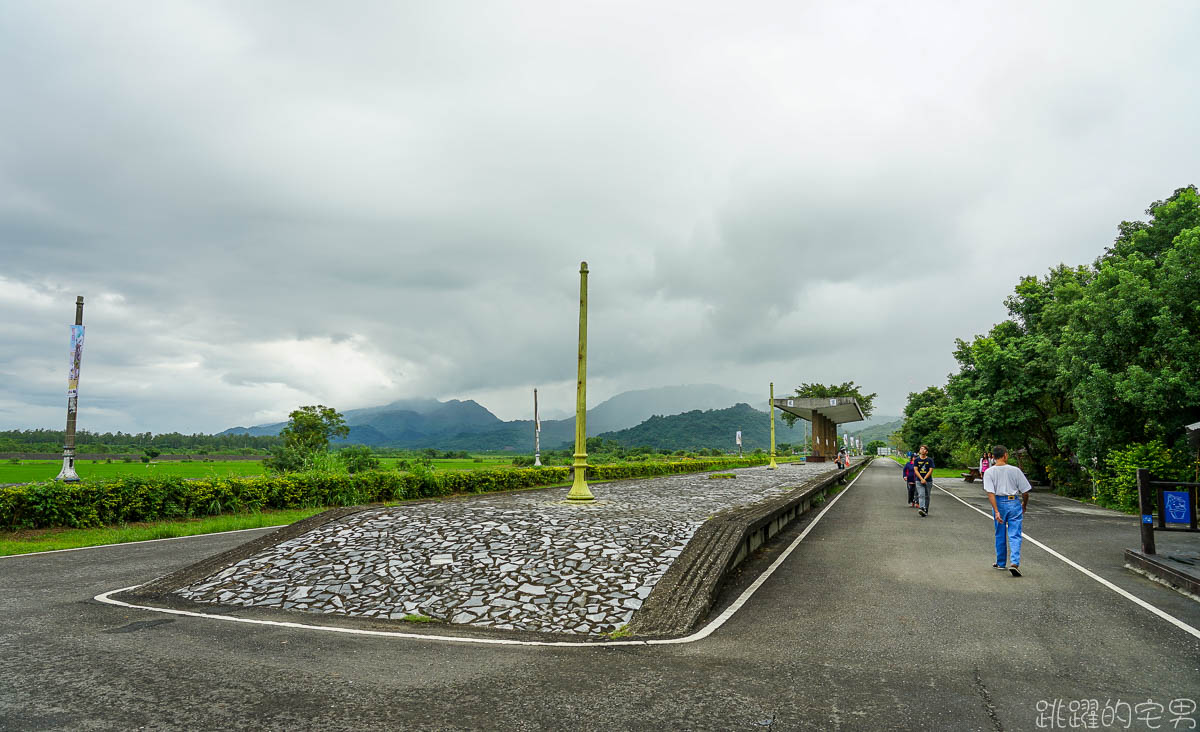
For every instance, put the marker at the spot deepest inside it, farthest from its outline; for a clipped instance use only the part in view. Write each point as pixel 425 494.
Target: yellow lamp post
pixel 771 409
pixel 579 489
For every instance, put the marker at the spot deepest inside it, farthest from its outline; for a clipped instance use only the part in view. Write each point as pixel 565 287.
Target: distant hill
pixel 879 431
pixel 466 425
pixel 631 408
pixel 714 428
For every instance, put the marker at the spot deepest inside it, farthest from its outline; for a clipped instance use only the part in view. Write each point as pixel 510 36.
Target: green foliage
pixel 1116 486
pixel 150 454
pixel 925 424
pixel 310 428
pixel 306 440
pixel 1092 362
pixel 871 447
pixel 358 458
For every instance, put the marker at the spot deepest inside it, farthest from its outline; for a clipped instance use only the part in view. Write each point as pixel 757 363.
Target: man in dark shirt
pixel 924 467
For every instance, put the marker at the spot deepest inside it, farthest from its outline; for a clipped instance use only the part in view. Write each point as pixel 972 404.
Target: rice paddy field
pixel 31 471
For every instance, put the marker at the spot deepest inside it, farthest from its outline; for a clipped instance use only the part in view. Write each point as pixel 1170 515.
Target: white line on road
pixel 1123 593
pixel 704 632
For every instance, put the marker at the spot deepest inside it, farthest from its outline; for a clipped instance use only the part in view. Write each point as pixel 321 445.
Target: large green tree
pixel 1131 348
pixel 306 436
pixel 1011 387
pixel 925 423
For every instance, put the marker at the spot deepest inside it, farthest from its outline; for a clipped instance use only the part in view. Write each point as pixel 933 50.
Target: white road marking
pixel 1123 593
pixel 704 632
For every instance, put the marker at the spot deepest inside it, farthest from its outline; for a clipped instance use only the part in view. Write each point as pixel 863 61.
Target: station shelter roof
pixel 836 409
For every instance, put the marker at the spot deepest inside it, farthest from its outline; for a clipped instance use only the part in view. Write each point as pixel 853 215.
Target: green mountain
pixel 714 428
pixel 466 425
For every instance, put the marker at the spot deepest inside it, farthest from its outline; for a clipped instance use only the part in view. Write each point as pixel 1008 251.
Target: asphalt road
pixel 879 620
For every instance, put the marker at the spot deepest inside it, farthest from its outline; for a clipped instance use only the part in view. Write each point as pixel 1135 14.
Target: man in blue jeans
pixel 1008 490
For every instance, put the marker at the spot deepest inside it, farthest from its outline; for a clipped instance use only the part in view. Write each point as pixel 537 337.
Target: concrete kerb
pixel 702 633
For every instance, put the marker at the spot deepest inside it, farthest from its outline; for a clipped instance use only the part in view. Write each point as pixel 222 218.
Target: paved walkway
pixel 879 620
pixel 517 561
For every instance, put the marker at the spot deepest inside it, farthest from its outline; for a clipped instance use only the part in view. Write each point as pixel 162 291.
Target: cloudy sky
pixel 272 204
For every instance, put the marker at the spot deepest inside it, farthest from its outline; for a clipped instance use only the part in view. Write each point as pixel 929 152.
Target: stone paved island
pixel 515 561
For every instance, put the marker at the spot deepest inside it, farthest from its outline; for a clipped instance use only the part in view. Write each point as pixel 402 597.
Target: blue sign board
pixel 1177 507
pixel 1147 518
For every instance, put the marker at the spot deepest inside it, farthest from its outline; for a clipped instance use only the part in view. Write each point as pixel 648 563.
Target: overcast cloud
pixel 272 204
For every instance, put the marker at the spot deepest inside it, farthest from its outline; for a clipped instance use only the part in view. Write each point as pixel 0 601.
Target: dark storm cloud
pixel 276 204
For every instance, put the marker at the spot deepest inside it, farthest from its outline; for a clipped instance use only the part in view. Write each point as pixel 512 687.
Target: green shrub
pixel 1116 486
pixel 358 459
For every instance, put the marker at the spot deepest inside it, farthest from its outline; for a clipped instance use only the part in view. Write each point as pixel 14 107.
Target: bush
pixel 1116 486
pixel 358 459
pixel 97 502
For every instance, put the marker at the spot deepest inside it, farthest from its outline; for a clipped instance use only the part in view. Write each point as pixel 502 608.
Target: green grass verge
pixel 44 540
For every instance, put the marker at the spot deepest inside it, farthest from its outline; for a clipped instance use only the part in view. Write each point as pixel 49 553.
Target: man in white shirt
pixel 1008 490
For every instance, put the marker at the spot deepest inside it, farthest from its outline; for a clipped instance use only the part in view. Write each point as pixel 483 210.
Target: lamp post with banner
pixel 67 474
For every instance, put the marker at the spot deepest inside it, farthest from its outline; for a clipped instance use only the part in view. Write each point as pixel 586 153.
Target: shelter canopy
pixel 835 409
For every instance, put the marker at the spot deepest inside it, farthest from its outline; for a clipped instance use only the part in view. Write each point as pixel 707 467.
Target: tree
pixel 1010 387
pixel 306 435
pixel 924 423
pixel 1131 348
pixel 873 446
pixel 866 402
pixel 309 429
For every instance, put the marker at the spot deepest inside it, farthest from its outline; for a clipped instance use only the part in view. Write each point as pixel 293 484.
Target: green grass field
pixel 29 471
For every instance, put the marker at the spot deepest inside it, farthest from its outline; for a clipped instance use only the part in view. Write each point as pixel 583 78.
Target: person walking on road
pixel 910 478
pixel 1008 490
pixel 923 466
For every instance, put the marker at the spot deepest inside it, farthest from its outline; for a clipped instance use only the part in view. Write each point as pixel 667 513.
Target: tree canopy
pixel 1094 362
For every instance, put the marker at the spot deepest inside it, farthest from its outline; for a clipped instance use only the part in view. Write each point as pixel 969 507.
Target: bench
pixel 971 475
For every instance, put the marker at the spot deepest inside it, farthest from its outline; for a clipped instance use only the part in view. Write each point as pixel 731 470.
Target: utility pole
pixel 537 433
pixel 67 474
pixel 579 489
pixel 771 409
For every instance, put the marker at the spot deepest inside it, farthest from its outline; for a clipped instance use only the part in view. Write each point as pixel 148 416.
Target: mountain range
pixel 467 425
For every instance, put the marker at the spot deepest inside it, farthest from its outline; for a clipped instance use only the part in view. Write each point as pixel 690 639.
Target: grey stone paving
pixel 523 561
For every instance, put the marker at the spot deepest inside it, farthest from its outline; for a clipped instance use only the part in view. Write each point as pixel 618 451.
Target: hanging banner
pixel 739 437
pixel 76 356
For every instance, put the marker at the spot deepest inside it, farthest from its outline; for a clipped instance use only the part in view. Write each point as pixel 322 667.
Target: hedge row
pixel 122 500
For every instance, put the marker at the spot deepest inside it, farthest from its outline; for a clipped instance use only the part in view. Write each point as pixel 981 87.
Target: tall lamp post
pixel 771 409
pixel 579 489
pixel 67 474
